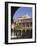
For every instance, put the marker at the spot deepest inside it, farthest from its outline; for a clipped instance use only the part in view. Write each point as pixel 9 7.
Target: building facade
pixel 24 28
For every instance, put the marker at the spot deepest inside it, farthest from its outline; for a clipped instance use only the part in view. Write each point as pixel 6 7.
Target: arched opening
pixel 20 23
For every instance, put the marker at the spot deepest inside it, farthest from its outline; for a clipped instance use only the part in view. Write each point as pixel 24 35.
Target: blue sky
pixel 23 11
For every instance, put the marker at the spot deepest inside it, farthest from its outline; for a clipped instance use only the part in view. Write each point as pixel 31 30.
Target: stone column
pixel 25 24
pixel 21 32
pixel 25 30
pixel 29 24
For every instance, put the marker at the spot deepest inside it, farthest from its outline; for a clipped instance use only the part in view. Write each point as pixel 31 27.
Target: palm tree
pixel 17 26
